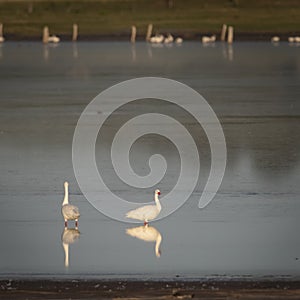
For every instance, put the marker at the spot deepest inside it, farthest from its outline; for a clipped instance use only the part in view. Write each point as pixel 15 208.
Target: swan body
pixel 157 39
pixel 178 40
pixel 53 39
pixel 291 39
pixel 69 212
pixel 169 39
pixel 275 39
pixel 208 39
pixel 69 236
pixel 147 234
pixel 147 212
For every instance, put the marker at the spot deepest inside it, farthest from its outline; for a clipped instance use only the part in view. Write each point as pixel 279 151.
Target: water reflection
pixel 148 234
pixel 69 236
pixel 46 50
pixel 227 50
pixel 75 50
pixel 149 51
pixel 133 53
pixel 1 52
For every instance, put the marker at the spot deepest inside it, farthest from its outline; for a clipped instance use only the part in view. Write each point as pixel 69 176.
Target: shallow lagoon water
pixel 250 228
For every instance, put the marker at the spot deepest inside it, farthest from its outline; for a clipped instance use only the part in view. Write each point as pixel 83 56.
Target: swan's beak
pixel 158 193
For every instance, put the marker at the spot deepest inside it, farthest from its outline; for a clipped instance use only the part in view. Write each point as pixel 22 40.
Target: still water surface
pixel 250 228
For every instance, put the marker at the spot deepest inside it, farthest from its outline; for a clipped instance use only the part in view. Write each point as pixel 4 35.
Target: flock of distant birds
pixel 161 39
pixel 169 39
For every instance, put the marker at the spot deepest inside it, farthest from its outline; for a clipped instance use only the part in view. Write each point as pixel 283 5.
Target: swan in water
pixel 178 40
pixel 53 39
pixel 69 212
pixel 208 39
pixel 291 39
pixel 275 39
pixel 148 234
pixel 169 39
pixel 69 236
pixel 148 212
pixel 157 39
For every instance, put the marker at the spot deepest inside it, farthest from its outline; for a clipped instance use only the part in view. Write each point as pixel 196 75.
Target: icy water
pixel 250 228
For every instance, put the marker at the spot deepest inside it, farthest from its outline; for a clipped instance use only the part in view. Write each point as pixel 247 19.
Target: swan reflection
pixel 69 236
pixel 148 234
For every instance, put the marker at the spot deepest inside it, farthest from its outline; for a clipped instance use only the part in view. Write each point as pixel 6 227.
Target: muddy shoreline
pixel 128 289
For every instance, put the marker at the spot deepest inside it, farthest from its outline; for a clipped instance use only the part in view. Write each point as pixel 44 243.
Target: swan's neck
pixel 66 248
pixel 66 198
pixel 158 241
pixel 157 202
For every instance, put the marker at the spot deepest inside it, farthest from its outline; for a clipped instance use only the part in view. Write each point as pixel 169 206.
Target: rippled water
pixel 250 228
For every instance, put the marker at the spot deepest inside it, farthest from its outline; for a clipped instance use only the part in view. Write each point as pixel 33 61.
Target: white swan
pixel 69 236
pixel 147 234
pixel 2 39
pixel 148 212
pixel 178 40
pixel 69 212
pixel 275 39
pixel 169 39
pixel 291 39
pixel 53 39
pixel 209 39
pixel 157 39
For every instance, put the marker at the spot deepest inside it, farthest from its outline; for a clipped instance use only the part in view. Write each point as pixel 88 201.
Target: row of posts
pixel 46 34
pixel 150 27
pixel 230 34
pixel 133 33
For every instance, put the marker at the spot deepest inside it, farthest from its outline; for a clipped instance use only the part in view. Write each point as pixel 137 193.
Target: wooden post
pixel 230 35
pixel 223 33
pixel 45 35
pixel 1 30
pixel 133 34
pixel 149 32
pixel 75 33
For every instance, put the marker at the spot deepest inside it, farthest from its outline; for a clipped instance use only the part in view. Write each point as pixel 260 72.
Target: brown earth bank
pixel 132 289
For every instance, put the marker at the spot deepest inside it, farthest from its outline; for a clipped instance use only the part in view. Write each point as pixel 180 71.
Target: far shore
pixel 239 36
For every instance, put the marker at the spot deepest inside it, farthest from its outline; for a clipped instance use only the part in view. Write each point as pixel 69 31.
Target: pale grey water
pixel 250 228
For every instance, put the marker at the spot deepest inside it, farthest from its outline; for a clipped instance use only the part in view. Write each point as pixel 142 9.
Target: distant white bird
pixel 157 39
pixel 69 236
pixel 2 39
pixel 53 39
pixel 291 39
pixel 148 212
pixel 169 39
pixel 297 39
pixel 209 39
pixel 69 212
pixel 275 39
pixel 178 40
pixel 147 234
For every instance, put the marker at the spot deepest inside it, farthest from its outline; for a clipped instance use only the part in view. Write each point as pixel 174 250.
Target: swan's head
pixel 158 254
pixel 157 192
pixel 66 184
